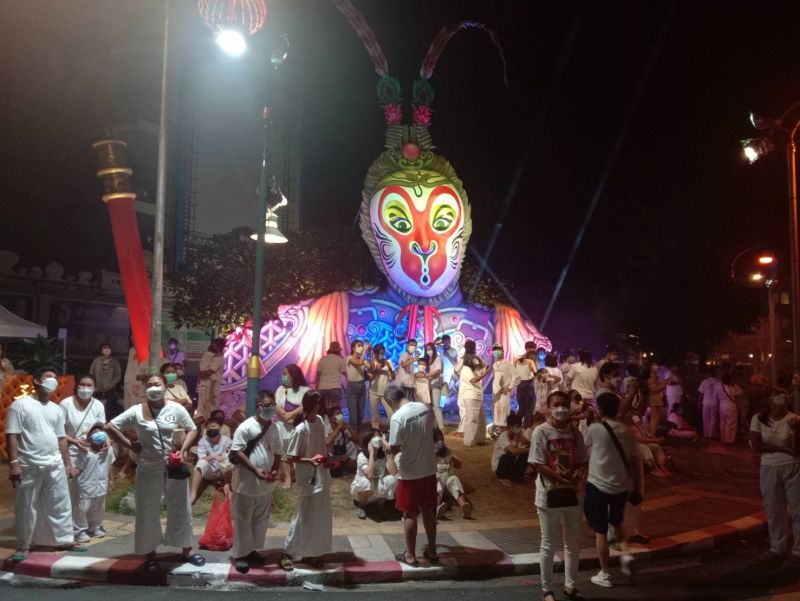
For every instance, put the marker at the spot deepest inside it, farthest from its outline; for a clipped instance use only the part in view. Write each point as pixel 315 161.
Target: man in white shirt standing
pixel 503 380
pixel 709 393
pixel 411 433
pixel 40 467
pixel 613 479
pixel 405 369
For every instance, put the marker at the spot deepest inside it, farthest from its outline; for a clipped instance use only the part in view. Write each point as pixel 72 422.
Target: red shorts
pixel 413 494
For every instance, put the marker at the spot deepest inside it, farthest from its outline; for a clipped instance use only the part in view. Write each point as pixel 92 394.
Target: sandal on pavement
pixel 433 558
pixel 401 557
pixel 242 566
pixel 195 559
pixel 574 595
pixel 151 565
pixel 19 556
pixel 286 563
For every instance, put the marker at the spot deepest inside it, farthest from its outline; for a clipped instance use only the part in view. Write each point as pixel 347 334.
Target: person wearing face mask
pixel 175 392
pixel 356 390
pixel 174 353
pixel 405 369
pixel 107 374
pixel 433 374
pixel 258 448
pixel 180 381
pixel 81 412
pixel 510 453
pixel 212 453
pixel 339 441
pixel 40 465
pixel 472 372
pixel 288 405
pixel 503 381
pixel 449 356
pixel 375 479
pixel 157 423
pixel 310 532
pixel 93 467
pixel 330 370
pixel 212 364
pixel 218 416
pixel 446 481
pixel 775 434
pixel 380 371
pixel 422 386
pixel 559 455
pixel 525 367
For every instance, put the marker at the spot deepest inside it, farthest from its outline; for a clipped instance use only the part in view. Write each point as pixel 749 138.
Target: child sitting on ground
pixel 680 427
pixel 94 468
pixel 446 482
pixel 339 441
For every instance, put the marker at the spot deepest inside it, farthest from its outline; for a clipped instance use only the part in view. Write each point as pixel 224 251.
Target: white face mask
pixel 155 393
pixel 429 353
pixel 85 393
pixel 779 400
pixel 49 385
pixel 560 413
pixel 376 443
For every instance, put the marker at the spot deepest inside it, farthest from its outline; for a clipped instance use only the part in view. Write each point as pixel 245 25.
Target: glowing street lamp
pixel 766 260
pixel 756 277
pixel 755 148
pixel 231 41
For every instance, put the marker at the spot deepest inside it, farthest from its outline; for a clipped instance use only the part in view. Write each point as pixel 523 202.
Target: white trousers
pixel 451 484
pixel 150 485
pixel 462 412
pixel 250 521
pixel 90 513
pixel 502 405
pixel 710 421
pixel 375 400
pixel 43 511
pixel 436 397
pixel 728 421
pixel 311 529
pixel 474 422
pixel 780 489
pixel 207 470
pixel 383 488
pixel 560 528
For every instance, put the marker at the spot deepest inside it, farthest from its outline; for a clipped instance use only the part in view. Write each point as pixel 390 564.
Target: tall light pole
pixel 770 279
pixel 754 149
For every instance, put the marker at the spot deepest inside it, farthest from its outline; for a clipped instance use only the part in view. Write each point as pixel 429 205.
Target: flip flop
pixel 286 563
pixel 401 557
pixel 19 556
pixel 434 559
pixel 195 559
pixel 151 566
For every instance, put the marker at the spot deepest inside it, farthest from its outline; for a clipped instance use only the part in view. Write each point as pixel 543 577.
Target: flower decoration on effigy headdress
pixel 415 215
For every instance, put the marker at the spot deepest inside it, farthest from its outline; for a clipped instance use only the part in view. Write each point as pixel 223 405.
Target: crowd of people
pixel 584 433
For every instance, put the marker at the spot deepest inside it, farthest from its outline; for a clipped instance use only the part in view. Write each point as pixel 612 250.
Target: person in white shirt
pixel 330 370
pixel 405 369
pixel 93 467
pixel 288 405
pixel 212 458
pixel 708 398
pixel 257 448
pixel 526 366
pixel 81 412
pixel 411 432
pixel 612 356
pixel 503 381
pixel 422 386
pixel 449 356
pixel 510 453
pixel 775 433
pixel 433 374
pixel 356 391
pixel 159 425
pixel 555 379
pixel 583 375
pixel 728 411
pixel 375 480
pixel 473 371
pixel 447 483
pixel 613 479
pixel 175 392
pixel 674 393
pixel 339 441
pixel 132 385
pixel 559 455
pixel 40 465
pixel 681 428
pixel 310 534
pixel 212 365
pixel 381 372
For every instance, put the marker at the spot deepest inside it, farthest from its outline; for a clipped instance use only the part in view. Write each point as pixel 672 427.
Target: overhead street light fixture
pixel 755 148
pixel 231 41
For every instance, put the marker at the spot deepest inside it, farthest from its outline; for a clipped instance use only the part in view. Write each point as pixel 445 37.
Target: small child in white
pixel 94 468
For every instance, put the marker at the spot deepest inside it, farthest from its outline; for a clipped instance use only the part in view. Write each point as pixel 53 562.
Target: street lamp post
pixel 754 149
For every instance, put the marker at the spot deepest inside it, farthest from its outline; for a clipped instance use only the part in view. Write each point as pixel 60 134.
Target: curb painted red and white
pixel 477 565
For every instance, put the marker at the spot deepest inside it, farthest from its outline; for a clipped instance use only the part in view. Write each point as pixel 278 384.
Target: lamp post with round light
pixel 767 275
pixel 230 20
pixel 754 149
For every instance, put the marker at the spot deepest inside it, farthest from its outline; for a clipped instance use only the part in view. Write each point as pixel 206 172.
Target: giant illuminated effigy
pixel 415 219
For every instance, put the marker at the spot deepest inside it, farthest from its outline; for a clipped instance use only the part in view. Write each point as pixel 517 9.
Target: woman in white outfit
pixel 375 480
pixel 311 531
pixel 257 447
pixel 775 433
pixel 433 372
pixel 728 412
pixel 559 455
pixel 155 422
pixel 212 364
pixel 81 412
pixel 381 372
pixel 288 400
pixel 473 371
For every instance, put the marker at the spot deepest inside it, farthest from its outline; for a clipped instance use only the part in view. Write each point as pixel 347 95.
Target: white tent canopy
pixel 12 326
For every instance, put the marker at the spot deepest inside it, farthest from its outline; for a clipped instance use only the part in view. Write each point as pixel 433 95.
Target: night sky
pixel 679 200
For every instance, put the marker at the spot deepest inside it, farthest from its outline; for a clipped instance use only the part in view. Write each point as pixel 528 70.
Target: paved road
pixel 732 573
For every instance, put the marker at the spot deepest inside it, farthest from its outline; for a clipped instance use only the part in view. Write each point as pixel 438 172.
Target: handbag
pixel 634 497
pixel 251 444
pixel 560 496
pixel 174 472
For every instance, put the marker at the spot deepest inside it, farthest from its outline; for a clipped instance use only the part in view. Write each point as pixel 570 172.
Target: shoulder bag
pixel 634 498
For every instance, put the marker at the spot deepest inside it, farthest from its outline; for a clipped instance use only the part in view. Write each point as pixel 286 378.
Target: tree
pixel 214 287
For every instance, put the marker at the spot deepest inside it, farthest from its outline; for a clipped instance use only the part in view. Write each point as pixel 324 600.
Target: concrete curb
pixel 478 565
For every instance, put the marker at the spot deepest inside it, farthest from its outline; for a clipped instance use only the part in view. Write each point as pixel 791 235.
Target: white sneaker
pixel 602 579
pixel 82 537
pixel 98 532
pixel 626 564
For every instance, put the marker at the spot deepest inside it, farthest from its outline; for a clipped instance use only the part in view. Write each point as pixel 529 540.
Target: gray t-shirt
pixel 607 470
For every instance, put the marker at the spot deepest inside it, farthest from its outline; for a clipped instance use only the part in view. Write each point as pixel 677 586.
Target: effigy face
pixel 417 217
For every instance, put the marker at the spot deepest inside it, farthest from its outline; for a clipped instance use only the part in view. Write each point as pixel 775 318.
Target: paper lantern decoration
pixel 247 15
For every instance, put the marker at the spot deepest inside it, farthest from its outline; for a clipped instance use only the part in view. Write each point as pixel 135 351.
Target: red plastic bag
pixel 218 535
